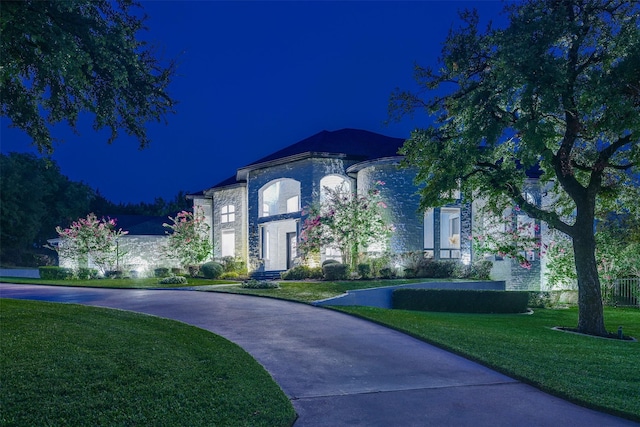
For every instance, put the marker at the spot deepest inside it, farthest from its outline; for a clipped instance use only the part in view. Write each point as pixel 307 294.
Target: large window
pixel 228 214
pixel 445 243
pixel 228 243
pixel 278 197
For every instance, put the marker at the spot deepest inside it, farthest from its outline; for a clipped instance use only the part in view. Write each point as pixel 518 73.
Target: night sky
pixel 254 77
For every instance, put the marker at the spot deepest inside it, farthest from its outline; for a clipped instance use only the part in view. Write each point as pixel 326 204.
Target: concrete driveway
pixel 342 371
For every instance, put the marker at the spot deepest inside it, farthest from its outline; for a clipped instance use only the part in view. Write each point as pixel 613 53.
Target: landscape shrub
pixel 330 261
pixel 438 269
pixel 460 301
pixel 211 269
pixel 259 284
pixel 388 273
pixel 229 275
pixel 302 272
pixel 335 271
pixel 176 271
pixel 114 274
pixel 364 271
pixel 194 270
pixel 52 272
pixel 161 272
pixel 173 280
pixel 231 264
pixel 84 273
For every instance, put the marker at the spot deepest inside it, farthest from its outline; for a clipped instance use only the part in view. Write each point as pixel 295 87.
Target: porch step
pixel 267 275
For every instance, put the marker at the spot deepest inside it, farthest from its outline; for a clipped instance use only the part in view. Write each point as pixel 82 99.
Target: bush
pixel 194 270
pixel 211 270
pixel 173 280
pixel 229 275
pixel 86 273
pixel 114 274
pixel 460 301
pixel 55 273
pixel 231 264
pixel 388 273
pixel 335 271
pixel 439 269
pixel 302 272
pixel 175 271
pixel 330 261
pixel 161 272
pixel 364 271
pixel 259 284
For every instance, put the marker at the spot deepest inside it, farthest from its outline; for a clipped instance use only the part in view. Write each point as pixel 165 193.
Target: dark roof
pixel 357 143
pixel 142 225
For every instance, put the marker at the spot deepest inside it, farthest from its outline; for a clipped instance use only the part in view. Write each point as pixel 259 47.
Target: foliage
pixel 188 238
pixel 301 272
pixel 479 270
pixel 231 264
pixel 34 198
pixel 510 235
pixel 91 239
pixel 335 271
pixel 161 272
pixel 460 301
pixel 64 59
pixel 55 273
pixel 554 96
pixel 364 271
pixel 173 280
pixel 124 368
pixel 353 223
pixel 259 284
pixel 211 270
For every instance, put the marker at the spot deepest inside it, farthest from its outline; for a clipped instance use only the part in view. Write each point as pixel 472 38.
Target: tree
pixel 63 58
pixel 91 239
pixel 350 222
pixel 34 198
pixel 558 89
pixel 188 239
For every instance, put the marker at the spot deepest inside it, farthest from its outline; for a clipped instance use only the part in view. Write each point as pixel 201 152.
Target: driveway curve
pixel 339 370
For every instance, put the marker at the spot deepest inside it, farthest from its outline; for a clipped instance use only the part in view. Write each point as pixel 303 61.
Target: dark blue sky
pixel 254 77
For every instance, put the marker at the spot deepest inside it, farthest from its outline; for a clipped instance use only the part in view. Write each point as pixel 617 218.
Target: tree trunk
pixel 590 311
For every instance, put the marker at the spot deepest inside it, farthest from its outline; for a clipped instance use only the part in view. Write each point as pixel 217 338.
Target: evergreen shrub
pixel 364 271
pixel 84 273
pixel 211 269
pixel 161 272
pixel 173 280
pixel 335 271
pixel 52 272
pixel 301 272
pixel 259 284
pixel 460 301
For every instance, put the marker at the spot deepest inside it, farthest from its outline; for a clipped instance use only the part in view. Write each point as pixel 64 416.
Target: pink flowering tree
pixel 188 238
pixel 91 239
pixel 510 234
pixel 350 222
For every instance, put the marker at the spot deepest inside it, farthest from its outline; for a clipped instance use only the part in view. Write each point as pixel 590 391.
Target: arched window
pixel 278 197
pixel 333 182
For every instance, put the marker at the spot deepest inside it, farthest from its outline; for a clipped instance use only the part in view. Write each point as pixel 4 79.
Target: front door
pixel 292 248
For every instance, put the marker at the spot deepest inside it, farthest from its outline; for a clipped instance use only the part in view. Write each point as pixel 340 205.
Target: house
pixel 257 214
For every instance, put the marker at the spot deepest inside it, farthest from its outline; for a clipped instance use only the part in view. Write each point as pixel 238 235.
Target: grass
pixel 313 291
pixel 147 283
pixel 65 364
pixel 595 372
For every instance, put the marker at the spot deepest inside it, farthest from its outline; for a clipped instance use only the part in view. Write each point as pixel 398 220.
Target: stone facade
pixel 269 199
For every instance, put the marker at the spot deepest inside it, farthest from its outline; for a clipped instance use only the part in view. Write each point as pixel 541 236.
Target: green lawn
pixel 63 364
pixel 595 372
pixel 599 373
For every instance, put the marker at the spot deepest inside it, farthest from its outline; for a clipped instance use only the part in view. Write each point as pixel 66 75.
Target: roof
pixel 358 143
pixel 142 225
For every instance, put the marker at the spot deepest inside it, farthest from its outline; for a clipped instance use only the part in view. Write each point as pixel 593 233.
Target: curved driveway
pixel 342 371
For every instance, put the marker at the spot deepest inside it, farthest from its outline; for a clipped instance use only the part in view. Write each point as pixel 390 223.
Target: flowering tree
pixel 189 238
pixel 510 234
pixel 352 223
pixel 92 239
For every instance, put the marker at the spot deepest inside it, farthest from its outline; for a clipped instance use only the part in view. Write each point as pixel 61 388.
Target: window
pixel 450 228
pixel 333 182
pixel 228 243
pixel 428 229
pixel 445 244
pixel 228 213
pixel 293 204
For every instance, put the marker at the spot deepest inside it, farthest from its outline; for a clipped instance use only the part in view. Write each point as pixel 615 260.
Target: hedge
pixel 335 271
pixel 55 273
pixel 460 301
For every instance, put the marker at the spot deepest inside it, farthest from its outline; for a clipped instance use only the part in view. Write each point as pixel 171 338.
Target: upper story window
pixel 278 197
pixel 333 182
pixel 228 213
pixel 445 243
